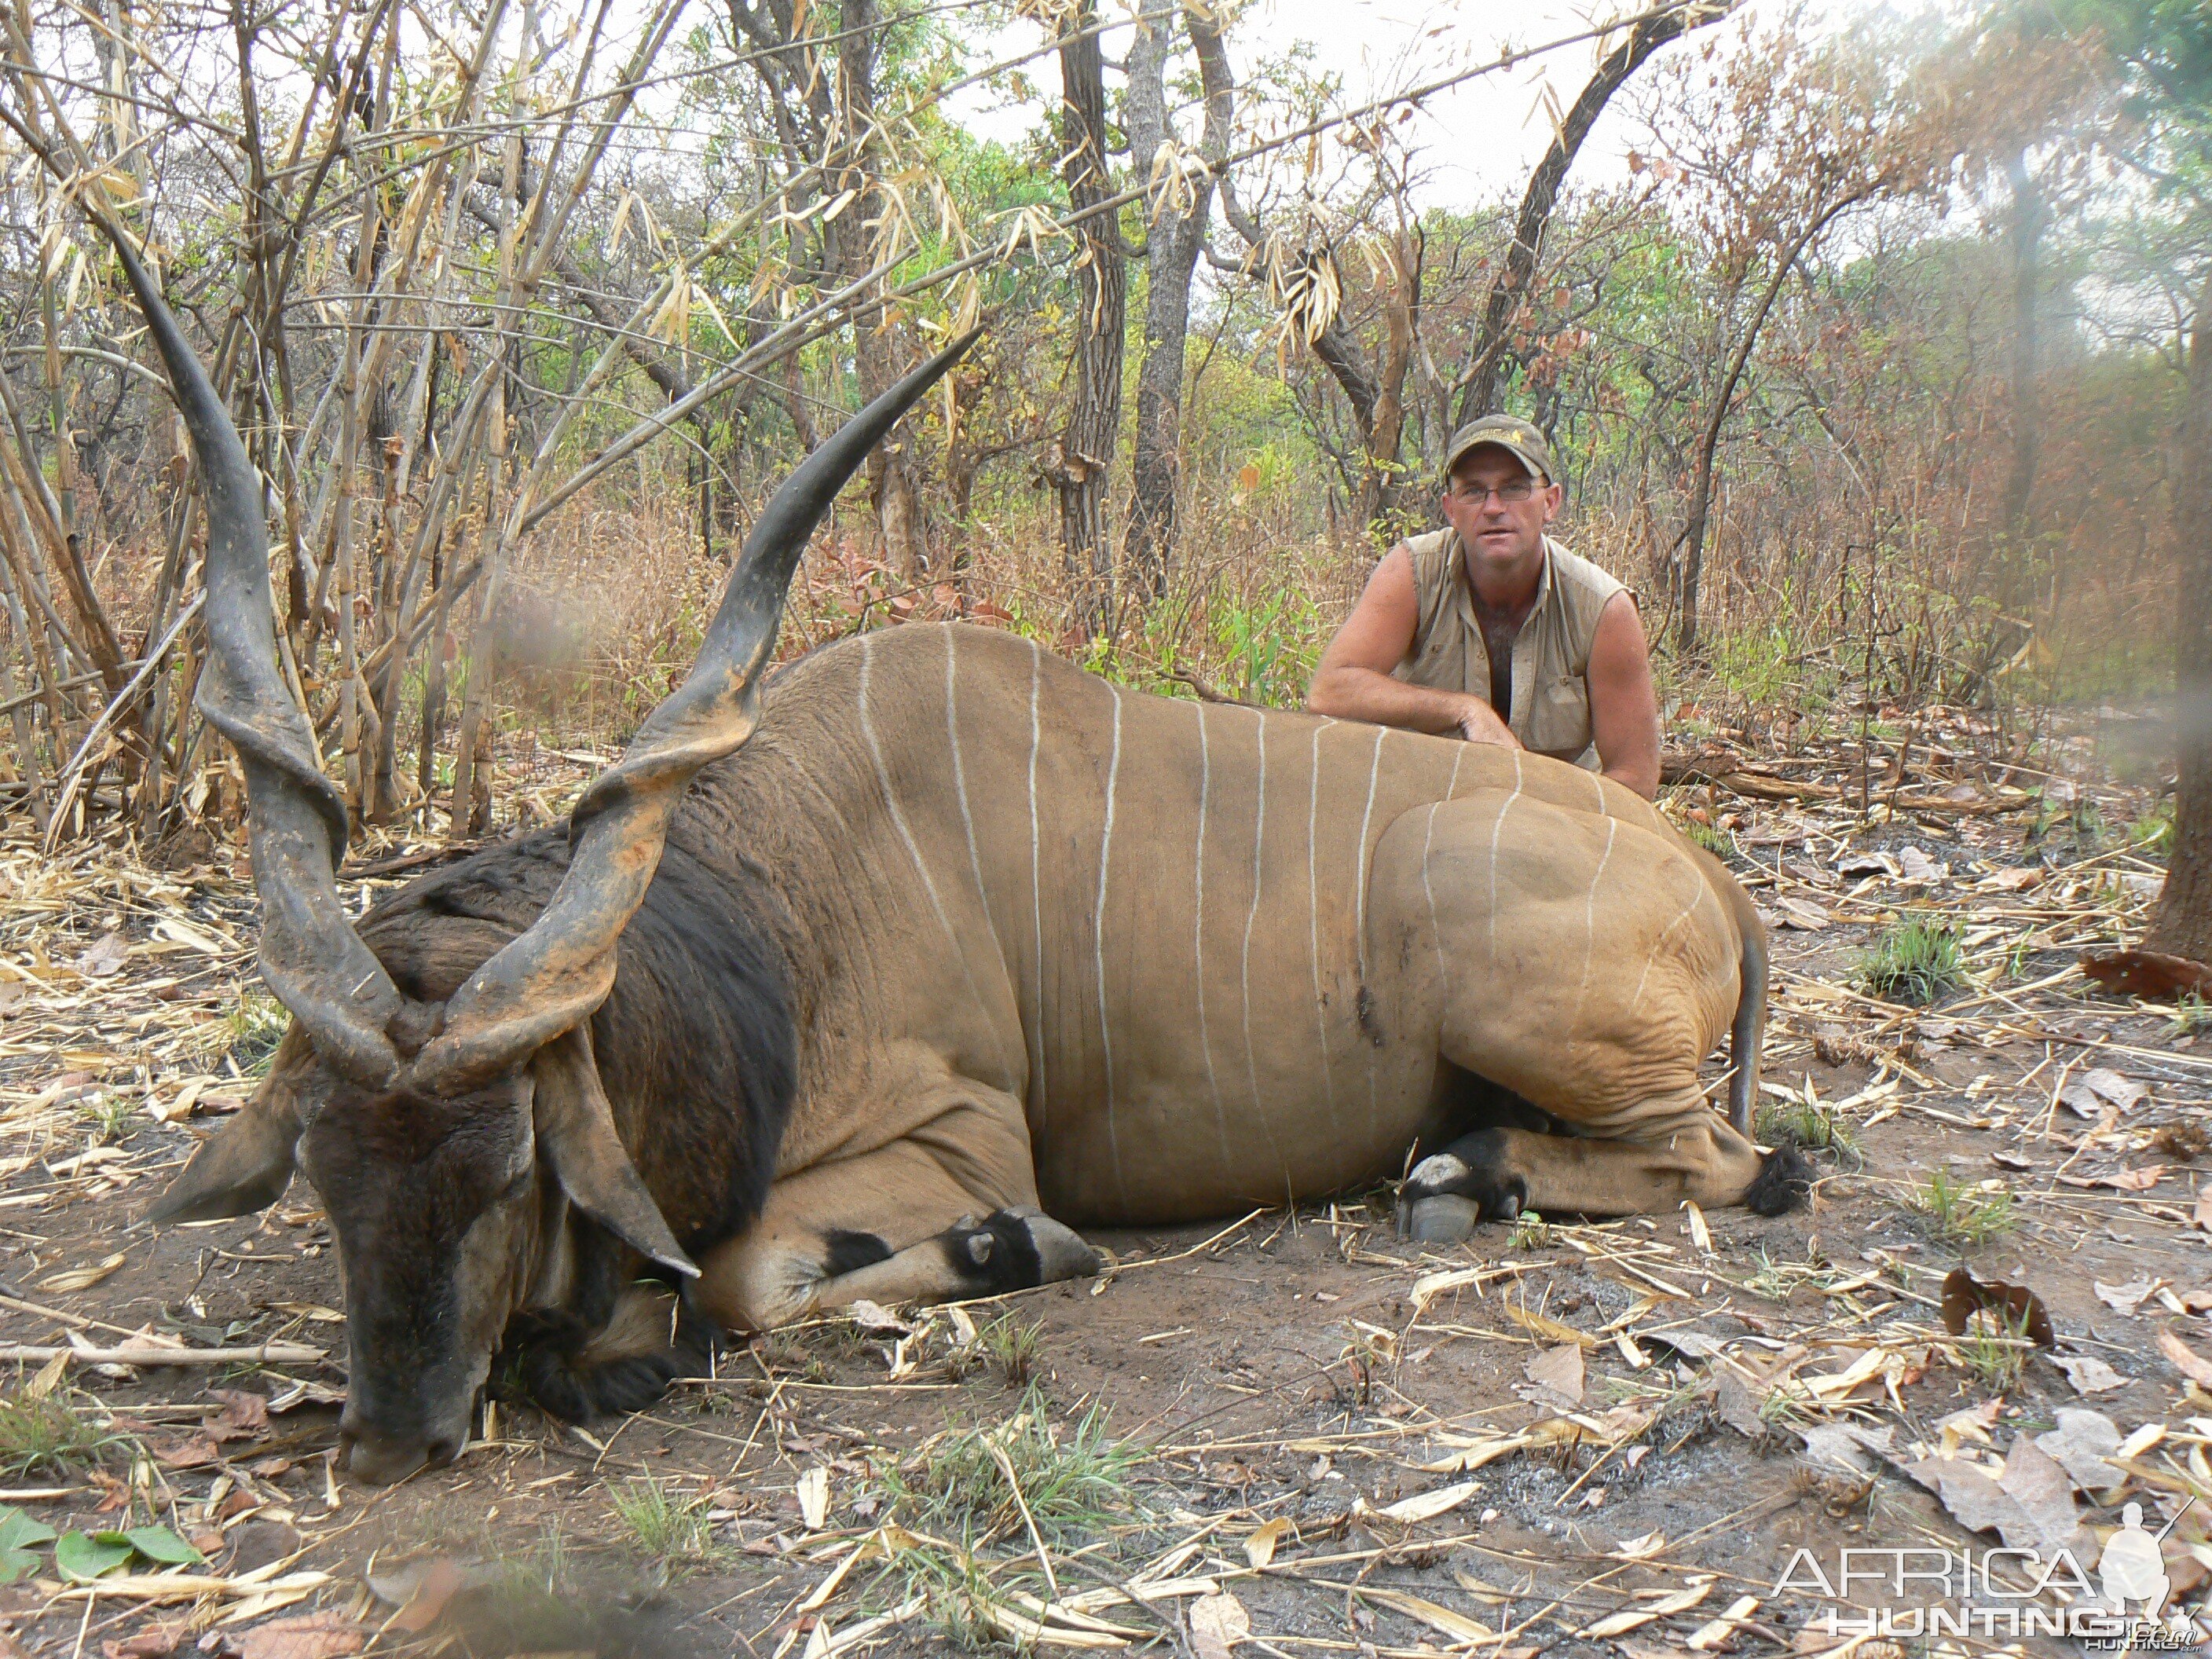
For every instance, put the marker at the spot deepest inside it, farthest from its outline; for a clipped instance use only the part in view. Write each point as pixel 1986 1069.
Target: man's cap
pixel 1518 438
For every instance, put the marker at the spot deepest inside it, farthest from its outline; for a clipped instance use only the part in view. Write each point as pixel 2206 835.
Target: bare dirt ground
pixel 1290 1433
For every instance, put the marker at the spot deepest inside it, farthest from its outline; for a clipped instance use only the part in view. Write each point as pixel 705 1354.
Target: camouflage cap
pixel 1517 437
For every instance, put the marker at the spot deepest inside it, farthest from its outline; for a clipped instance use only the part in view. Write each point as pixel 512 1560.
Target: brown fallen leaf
pixel 2015 1306
pixel 1427 1506
pixel 2203 1216
pixel 2031 1507
pixel 432 1590
pixel 318 1636
pixel 156 1640
pixel 105 958
pixel 1712 1637
pixel 2088 1374
pixel 1442 1619
pixel 2186 1360
pixel 1738 1407
pixel 1217 1623
pixel 243 1415
pixel 2119 1180
pixel 1798 913
pixel 2125 1298
pixel 83 1279
pixel 1260 1547
pixel 2108 1085
pixel 196 1452
pixel 2081 1442
pixel 2147 974
pixel 1555 1377
pixel 1544 1325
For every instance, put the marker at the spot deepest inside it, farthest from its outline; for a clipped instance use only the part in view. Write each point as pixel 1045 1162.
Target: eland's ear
pixel 575 1128
pixel 244 1167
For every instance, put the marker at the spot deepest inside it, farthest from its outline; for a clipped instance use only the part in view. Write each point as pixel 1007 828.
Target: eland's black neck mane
pixel 701 1015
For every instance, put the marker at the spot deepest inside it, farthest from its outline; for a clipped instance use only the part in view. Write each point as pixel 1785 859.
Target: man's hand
pixel 1354 681
pixel 1478 723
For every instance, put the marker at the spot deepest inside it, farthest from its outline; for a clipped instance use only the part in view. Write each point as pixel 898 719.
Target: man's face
pixel 1503 537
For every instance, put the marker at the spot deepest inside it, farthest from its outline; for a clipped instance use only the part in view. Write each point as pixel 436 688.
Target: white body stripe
pixel 1496 830
pixel 1360 852
pixel 1098 941
pixel 914 850
pixel 1658 944
pixel 1312 923
pixel 1359 867
pixel 1198 931
pixel 1037 901
pixel 1435 932
pixel 1590 925
pixel 1251 917
pixel 960 789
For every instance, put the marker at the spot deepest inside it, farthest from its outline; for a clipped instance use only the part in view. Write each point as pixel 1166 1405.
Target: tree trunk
pixel 1084 462
pixel 1401 316
pixel 876 358
pixel 1178 233
pixel 2183 926
pixel 1487 351
pixel 2029 215
pixel 1377 394
pixel 1701 485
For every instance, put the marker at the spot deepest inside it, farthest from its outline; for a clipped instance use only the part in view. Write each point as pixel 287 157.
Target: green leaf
pixel 19 1536
pixel 83 1557
pixel 18 1531
pixel 160 1544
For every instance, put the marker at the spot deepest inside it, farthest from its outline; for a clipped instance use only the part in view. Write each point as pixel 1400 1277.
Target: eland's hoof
pixel 1061 1251
pixel 1444 1219
pixel 1447 1193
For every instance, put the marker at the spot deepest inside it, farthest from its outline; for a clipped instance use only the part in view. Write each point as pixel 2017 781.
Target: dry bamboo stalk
pixel 22 530
pixel 47 685
pixel 471 749
pixel 156 1353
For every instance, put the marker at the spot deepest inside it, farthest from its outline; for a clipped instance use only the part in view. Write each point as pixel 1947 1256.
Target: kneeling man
pixel 1491 631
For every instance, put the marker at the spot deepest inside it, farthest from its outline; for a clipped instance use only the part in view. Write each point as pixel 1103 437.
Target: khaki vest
pixel 1550 657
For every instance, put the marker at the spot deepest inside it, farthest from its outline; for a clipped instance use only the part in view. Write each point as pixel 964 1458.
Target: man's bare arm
pixel 1624 707
pixel 1354 682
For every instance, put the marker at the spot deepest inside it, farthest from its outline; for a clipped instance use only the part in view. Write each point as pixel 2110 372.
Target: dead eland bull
pixel 876 980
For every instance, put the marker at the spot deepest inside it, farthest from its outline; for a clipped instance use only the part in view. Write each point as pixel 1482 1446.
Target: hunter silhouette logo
pixel 2131 1568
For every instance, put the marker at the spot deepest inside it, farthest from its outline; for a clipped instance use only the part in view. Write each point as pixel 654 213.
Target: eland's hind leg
pixel 1588 965
pixel 947 1212
pixel 1688 1153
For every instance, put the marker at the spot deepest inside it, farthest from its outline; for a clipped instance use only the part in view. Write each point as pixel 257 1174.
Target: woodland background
pixel 1873 374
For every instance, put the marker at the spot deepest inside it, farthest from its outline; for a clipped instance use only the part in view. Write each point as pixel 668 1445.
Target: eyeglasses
pixel 1511 494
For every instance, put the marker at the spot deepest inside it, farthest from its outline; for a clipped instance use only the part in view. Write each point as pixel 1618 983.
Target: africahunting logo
pixel 2005 1594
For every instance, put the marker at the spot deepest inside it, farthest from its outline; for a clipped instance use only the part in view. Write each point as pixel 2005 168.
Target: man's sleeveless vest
pixel 1551 659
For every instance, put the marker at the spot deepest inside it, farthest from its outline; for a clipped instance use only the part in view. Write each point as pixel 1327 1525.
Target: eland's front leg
pixel 946 1211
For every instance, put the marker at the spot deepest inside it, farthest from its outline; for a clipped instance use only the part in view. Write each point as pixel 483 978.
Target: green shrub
pixel 1914 960
pixel 1073 1478
pixel 1956 1214
pixel 52 1435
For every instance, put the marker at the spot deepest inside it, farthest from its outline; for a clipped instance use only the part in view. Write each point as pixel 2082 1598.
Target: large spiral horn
pixel 550 978
pixel 309 953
